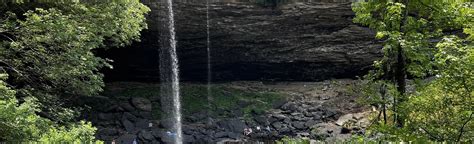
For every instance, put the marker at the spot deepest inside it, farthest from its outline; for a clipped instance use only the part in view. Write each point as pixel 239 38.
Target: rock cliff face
pixel 297 41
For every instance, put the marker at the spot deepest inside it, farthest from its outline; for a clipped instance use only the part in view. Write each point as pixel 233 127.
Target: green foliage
pixel 439 109
pixel 48 50
pixel 20 123
pixel 194 98
pixel 288 140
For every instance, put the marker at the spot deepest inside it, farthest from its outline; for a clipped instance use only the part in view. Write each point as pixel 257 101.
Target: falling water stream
pixel 169 74
pixel 209 69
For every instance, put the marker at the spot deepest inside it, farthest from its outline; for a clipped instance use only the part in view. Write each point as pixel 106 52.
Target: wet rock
pixel 111 108
pixel 290 106
pixel 234 135
pixel 129 116
pixel 189 139
pixel 128 125
pixel 145 135
pixel 279 117
pixel 317 116
pixel 277 125
pixel 142 104
pixel 323 130
pixel 126 139
pixel 234 125
pixel 142 124
pixel 107 132
pixel 166 123
pixel 284 130
pixel 329 113
pixel 299 125
pixel 157 133
pixel 310 123
pixel 303 134
pixel 127 107
pixel 221 134
pixel 262 120
pixel 278 103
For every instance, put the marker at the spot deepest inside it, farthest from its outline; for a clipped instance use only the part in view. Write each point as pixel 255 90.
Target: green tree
pixel 410 30
pixel 20 123
pixel 48 48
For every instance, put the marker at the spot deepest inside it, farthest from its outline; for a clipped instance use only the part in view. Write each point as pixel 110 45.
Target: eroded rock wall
pixel 297 41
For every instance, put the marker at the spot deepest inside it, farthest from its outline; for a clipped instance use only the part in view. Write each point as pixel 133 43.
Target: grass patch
pixel 226 102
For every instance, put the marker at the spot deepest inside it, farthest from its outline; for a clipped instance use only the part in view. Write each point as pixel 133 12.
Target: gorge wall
pixel 302 41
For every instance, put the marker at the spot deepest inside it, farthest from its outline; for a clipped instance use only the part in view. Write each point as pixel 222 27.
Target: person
pixel 134 141
pixel 247 131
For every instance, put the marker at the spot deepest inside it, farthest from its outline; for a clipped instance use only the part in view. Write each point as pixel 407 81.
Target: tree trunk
pixel 400 71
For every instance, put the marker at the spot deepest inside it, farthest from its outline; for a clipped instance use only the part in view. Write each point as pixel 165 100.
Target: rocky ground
pixel 316 110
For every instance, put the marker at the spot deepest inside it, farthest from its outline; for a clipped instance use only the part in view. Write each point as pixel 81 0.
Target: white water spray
pixel 169 74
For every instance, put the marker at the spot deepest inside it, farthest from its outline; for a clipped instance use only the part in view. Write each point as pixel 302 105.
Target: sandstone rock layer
pixel 297 41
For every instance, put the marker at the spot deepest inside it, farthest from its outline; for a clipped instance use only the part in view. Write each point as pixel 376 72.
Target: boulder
pixel 141 103
pixel 233 125
pixel 142 124
pixel 126 139
pixel 145 136
pixel 299 125
pixel 128 125
pixel 127 106
pixel 107 132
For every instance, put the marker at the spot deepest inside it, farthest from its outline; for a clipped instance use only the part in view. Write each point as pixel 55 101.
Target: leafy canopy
pixel 48 50
pixel 428 35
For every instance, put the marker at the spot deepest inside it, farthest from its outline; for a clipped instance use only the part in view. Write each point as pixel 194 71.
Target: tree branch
pixel 426 5
pixel 461 130
pixel 430 134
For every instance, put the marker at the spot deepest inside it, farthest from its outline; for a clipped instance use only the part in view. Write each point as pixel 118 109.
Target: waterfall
pixel 169 74
pixel 209 68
